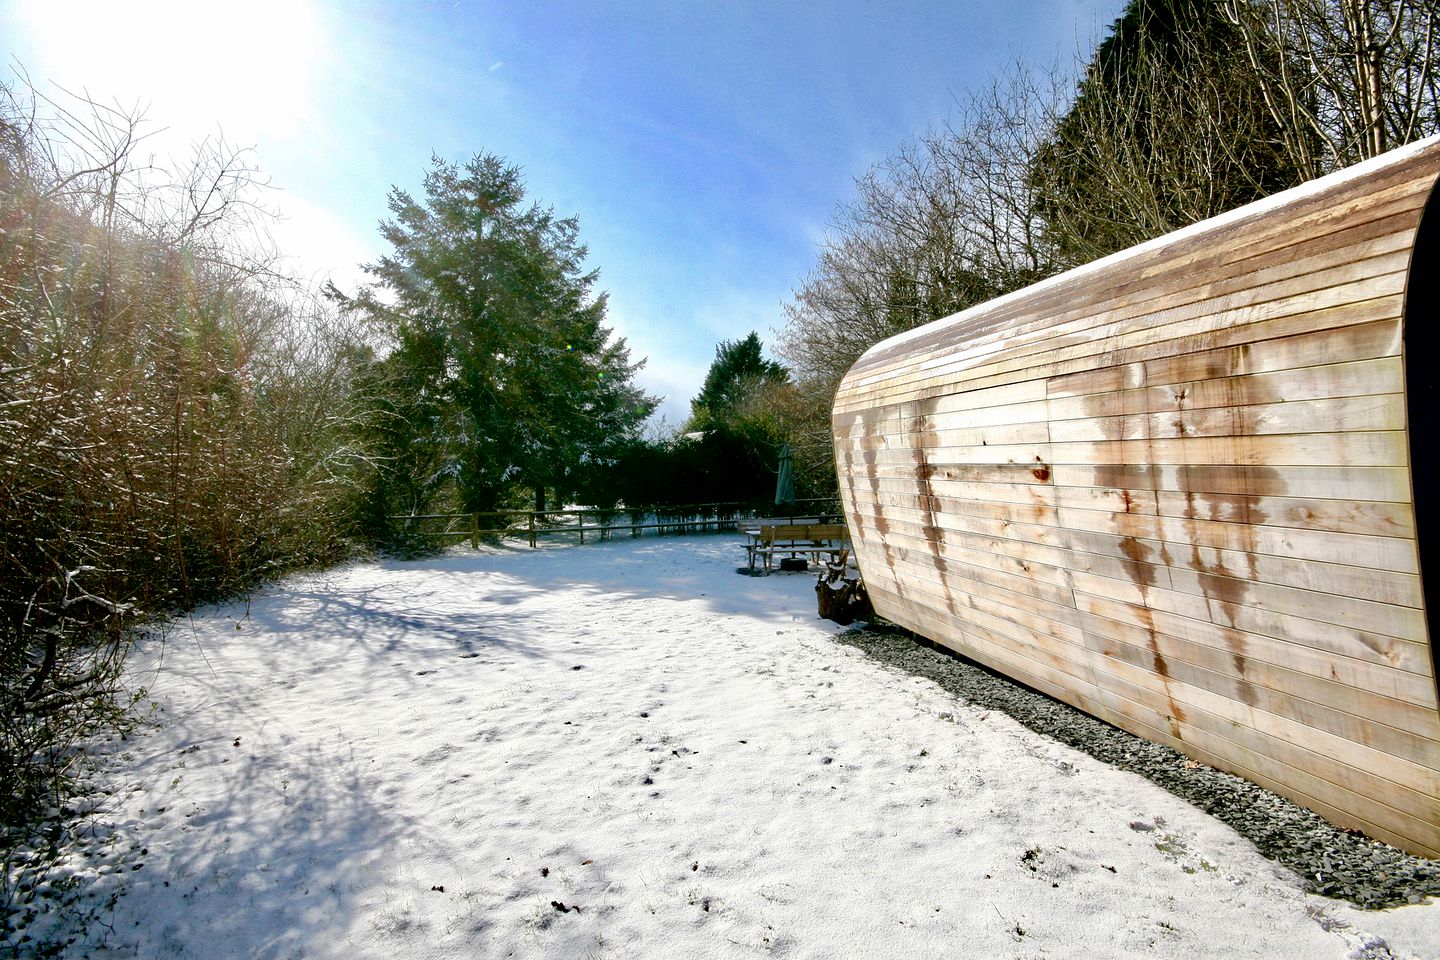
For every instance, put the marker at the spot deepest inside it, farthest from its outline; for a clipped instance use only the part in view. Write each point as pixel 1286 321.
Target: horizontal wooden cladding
pixel 1298 366
pixel 1376 412
pixel 1190 263
pixel 1331 383
pixel 1346 414
pixel 1372 632
pixel 1349 482
pixel 1081 319
pixel 1230 482
pixel 1098 531
pixel 1379 448
pixel 1241 334
pixel 1278 753
pixel 1144 555
pixel 1174 387
pixel 1102 653
pixel 1362 304
pixel 1395 520
pixel 1184 684
pixel 1354 283
pixel 1358 771
pixel 1174 489
pixel 1054 613
pixel 1316 358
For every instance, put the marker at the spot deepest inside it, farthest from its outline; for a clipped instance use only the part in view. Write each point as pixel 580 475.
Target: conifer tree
pixel 738 372
pixel 501 373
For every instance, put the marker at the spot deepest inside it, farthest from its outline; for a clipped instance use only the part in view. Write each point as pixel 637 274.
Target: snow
pixel 628 750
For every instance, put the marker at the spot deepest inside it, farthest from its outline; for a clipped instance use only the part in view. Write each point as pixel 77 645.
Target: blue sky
pixel 702 145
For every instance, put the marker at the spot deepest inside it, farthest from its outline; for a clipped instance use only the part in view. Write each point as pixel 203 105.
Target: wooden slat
pixel 1166 321
pixel 1256 553
pixel 1341 415
pixel 1269 757
pixel 1177 591
pixel 1367 518
pixel 1347 482
pixel 1378 676
pixel 1241 333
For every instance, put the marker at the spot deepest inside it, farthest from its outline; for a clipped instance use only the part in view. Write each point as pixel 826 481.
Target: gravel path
pixel 1332 862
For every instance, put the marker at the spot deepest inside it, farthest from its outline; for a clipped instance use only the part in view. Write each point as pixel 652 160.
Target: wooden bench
pixel 795 540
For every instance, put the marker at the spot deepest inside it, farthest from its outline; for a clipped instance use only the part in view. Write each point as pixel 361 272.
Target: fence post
pixel 532 529
pixel 474 531
pixel 582 526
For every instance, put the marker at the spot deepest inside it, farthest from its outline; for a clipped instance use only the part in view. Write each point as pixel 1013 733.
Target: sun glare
pixel 198 65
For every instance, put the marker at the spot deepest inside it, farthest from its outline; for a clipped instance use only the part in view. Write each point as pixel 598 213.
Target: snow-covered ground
pixel 627 750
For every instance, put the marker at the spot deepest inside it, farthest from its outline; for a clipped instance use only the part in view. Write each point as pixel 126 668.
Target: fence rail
pixel 603 524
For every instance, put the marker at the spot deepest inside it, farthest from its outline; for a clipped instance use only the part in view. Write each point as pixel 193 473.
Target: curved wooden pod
pixel 1174 488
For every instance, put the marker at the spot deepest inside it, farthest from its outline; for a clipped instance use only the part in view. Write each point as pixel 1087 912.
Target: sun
pixel 249 69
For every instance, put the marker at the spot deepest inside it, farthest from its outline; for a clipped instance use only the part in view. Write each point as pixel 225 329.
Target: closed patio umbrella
pixel 785 482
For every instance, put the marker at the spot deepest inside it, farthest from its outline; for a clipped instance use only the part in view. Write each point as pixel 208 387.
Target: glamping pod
pixel 1183 489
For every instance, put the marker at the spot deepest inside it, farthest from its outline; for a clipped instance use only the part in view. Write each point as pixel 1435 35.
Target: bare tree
pixel 1168 127
pixel 946 222
pixel 1344 79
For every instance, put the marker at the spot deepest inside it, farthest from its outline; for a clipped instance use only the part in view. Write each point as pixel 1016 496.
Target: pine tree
pixel 501 373
pixel 738 372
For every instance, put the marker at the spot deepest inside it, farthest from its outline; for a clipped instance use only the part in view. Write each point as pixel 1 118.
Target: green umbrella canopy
pixel 785 482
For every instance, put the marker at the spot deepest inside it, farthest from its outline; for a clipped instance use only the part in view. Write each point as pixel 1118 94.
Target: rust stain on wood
pixel 1138 564
pixel 880 523
pixel 924 438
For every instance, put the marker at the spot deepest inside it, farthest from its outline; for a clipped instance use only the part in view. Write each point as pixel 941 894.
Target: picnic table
pixel 794 538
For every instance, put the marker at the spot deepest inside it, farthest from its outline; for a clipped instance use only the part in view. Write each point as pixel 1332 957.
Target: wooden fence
pixel 598 523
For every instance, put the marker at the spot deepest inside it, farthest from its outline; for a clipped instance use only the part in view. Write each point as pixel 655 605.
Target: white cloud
pixel 675 366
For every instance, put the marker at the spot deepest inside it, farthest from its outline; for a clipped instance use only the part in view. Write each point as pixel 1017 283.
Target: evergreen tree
pixel 739 433
pixel 501 373
pixel 738 372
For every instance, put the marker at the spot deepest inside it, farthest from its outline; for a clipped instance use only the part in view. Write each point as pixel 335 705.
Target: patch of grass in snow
pixel 541 918
pixel 1174 848
pixel 1325 917
pixel 395 921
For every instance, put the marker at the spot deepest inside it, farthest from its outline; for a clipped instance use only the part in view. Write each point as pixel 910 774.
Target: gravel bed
pixel 1330 861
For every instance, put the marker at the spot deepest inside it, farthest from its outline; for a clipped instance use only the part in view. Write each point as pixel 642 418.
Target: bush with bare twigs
pixel 171 424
